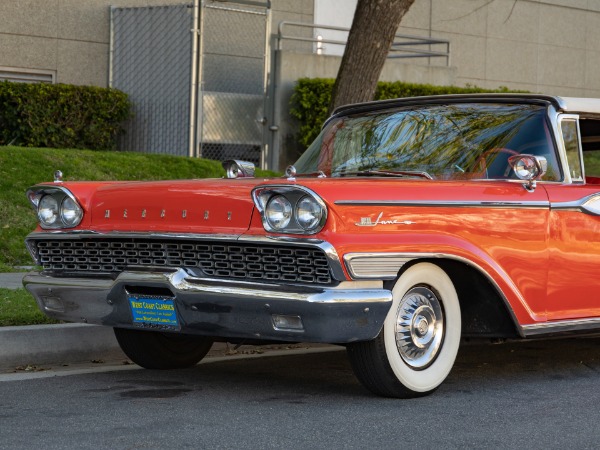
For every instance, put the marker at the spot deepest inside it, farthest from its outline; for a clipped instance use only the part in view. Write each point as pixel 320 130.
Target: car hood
pixel 225 206
pixel 193 206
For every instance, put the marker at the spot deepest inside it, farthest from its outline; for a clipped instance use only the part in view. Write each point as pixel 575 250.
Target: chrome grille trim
pixel 378 266
pixel 450 204
pixel 253 261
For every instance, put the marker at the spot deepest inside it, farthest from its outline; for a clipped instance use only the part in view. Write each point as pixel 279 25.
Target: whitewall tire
pixel 417 346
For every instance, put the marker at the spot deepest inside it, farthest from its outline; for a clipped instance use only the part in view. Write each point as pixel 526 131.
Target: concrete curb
pixel 53 344
pixel 73 343
pixel 63 343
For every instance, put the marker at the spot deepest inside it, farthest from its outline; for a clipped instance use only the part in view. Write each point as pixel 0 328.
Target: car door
pixel 574 235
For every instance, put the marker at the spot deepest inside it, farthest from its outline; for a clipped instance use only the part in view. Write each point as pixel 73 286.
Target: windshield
pixel 459 141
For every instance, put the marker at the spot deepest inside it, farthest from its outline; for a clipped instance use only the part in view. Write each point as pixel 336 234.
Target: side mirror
pixel 528 168
pixel 238 169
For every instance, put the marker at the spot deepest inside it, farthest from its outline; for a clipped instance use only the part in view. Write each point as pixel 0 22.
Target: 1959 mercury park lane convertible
pixel 406 226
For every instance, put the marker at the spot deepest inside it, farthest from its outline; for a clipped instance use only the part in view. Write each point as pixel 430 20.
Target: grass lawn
pixel 17 307
pixel 4 268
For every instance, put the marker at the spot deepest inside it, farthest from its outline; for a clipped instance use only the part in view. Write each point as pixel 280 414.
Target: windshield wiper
pixel 390 173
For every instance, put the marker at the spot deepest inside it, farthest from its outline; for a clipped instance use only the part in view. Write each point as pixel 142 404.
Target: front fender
pixel 505 269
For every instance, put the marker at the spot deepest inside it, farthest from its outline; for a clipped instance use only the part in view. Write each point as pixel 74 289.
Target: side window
pixel 570 135
pixel 590 141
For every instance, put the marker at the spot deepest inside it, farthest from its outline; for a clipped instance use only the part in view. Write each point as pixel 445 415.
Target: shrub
pixel 309 104
pixel 311 98
pixel 61 115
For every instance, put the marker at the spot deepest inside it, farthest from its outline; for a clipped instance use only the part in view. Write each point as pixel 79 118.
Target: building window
pixel 27 75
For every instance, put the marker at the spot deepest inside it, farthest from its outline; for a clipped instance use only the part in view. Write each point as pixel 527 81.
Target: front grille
pixel 213 259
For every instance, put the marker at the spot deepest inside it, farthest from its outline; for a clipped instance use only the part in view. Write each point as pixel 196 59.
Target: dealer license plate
pixel 154 312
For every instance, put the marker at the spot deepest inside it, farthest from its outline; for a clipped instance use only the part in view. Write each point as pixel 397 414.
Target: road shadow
pixel 508 368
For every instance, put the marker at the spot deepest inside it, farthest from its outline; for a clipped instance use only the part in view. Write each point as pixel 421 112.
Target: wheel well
pixel 484 312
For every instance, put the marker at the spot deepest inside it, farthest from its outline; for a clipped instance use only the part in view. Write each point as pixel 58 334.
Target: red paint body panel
pixel 509 243
pixel 574 256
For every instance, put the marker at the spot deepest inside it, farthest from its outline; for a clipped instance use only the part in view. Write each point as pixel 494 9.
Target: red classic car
pixel 406 226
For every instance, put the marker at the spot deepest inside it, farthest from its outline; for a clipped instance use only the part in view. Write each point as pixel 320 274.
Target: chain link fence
pixel 155 59
pixel 151 59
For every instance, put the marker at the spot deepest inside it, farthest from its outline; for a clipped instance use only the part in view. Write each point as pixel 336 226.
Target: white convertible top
pixel 579 104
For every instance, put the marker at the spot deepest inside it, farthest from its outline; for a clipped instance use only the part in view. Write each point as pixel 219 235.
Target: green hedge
pixel 61 115
pixel 311 98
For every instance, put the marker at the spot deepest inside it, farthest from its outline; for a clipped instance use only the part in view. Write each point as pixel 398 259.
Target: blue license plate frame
pixel 154 312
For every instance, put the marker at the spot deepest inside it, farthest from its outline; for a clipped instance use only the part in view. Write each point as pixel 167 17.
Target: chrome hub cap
pixel 419 327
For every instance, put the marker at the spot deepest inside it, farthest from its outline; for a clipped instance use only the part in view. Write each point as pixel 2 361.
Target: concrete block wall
pixel 72 37
pixel 547 46
pixel 68 37
pixel 550 46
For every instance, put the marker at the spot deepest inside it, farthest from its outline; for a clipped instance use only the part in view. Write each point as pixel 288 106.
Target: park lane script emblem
pixel 368 222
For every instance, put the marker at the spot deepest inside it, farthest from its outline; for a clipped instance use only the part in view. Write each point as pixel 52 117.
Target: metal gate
pixel 233 68
pixel 196 76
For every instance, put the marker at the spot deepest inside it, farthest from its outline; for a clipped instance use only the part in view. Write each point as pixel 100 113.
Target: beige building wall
pixel 550 46
pixel 547 46
pixel 71 38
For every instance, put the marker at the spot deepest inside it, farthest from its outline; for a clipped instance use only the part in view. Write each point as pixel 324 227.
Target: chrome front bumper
pixel 349 312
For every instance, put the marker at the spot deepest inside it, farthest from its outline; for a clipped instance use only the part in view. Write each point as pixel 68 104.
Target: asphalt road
pixel 519 395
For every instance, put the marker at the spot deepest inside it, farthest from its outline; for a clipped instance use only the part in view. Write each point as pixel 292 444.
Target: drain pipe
pixel 200 81
pixel 194 78
pixel 111 47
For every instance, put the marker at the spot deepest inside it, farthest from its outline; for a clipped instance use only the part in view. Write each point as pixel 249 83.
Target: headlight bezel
pixel 59 195
pixel 263 195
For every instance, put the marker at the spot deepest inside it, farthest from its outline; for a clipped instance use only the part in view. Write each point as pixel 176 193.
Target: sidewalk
pixel 12 280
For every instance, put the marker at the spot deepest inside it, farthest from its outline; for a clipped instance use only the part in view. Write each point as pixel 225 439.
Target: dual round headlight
pixel 56 211
pixel 282 215
pixel 308 213
pixel 48 210
pixel 279 212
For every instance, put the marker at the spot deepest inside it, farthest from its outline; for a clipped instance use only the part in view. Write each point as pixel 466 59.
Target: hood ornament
pixel 290 172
